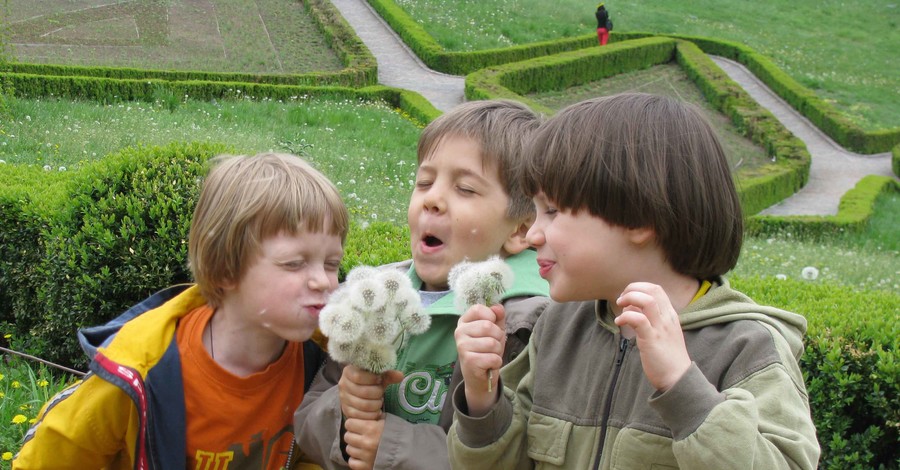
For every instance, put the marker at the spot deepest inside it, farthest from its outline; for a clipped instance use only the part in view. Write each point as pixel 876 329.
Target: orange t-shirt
pixel 236 422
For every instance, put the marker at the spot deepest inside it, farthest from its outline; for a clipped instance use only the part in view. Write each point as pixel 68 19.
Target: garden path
pixel 833 170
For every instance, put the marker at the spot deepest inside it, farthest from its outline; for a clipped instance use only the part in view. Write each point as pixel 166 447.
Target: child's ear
pixel 641 236
pixel 515 243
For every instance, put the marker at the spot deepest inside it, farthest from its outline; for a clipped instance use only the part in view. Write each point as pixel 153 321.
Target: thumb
pixel 391 377
pixel 499 316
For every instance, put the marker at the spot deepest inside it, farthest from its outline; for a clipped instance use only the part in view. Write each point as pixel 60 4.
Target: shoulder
pixel 523 312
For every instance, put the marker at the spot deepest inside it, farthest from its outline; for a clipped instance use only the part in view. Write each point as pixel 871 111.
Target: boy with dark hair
pixel 208 376
pixel 650 359
pixel 467 204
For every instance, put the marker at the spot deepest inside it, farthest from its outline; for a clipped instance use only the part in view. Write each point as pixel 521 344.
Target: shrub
pixel 850 367
pixel 122 236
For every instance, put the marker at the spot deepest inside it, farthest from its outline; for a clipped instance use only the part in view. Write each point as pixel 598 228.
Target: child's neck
pixel 679 288
pixel 240 350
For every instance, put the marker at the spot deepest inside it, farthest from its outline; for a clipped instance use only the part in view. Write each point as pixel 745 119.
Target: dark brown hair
pixel 502 129
pixel 639 160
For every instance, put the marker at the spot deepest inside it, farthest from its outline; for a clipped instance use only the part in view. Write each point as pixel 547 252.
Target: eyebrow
pixel 457 173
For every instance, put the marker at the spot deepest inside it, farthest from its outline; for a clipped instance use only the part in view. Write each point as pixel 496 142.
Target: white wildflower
pixel 781 277
pixel 47 167
pixel 809 273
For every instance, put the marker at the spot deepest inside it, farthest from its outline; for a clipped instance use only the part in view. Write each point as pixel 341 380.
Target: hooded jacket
pixel 133 394
pixel 405 445
pixel 579 397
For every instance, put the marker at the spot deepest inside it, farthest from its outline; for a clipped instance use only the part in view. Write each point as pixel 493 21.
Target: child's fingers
pixel 651 300
pixel 360 401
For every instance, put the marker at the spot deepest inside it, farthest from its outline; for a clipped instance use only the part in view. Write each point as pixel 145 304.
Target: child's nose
pixel 319 280
pixel 434 201
pixel 535 235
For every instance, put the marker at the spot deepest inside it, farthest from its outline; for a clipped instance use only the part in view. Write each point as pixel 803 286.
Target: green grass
pixel 367 149
pixel 867 260
pixel 24 388
pixel 846 53
pixel 667 80
pixel 262 36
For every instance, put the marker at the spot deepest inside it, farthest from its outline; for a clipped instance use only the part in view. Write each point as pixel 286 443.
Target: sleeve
pixel 498 439
pixel 87 425
pixel 317 422
pixel 763 422
pixel 408 446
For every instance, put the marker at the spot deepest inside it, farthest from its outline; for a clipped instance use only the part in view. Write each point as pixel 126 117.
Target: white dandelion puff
pixel 781 277
pixel 369 317
pixel 809 273
pixel 361 272
pixel 480 283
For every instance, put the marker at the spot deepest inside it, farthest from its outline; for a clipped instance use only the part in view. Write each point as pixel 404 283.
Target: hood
pixel 722 304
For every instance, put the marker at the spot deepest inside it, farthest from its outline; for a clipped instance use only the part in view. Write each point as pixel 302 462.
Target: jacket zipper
pixel 607 407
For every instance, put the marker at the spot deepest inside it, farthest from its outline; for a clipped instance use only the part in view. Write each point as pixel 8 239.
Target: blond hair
pixel 246 199
pixel 638 160
pixel 502 129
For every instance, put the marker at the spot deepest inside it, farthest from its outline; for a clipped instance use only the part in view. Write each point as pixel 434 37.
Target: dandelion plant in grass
pixel 370 317
pixel 24 388
pixel 866 260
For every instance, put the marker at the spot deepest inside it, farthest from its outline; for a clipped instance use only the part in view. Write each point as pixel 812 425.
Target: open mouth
pixel 431 241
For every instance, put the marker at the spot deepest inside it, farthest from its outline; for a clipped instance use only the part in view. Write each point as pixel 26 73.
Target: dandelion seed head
pixel 361 272
pixel 809 273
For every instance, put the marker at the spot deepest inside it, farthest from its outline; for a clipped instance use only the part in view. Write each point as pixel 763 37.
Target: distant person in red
pixel 604 24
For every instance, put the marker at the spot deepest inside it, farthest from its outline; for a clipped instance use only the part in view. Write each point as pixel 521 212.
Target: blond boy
pixel 208 375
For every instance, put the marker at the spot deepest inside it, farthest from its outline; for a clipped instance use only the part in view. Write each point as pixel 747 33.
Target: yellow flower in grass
pixel 15 384
pixel 7 336
pixel 7 456
pixel 2 376
pixel 19 419
pixel 2 395
pixel 43 383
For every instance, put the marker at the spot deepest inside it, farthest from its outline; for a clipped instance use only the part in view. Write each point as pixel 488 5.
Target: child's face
pixel 581 255
pixel 286 286
pixel 457 211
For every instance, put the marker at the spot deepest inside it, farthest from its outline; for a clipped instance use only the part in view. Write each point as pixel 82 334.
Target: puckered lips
pixel 545 266
pixel 314 310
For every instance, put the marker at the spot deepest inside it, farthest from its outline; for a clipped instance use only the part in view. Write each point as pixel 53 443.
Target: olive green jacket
pixel 578 398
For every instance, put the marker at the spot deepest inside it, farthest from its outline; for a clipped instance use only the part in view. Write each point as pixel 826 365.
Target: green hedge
pixel 106 90
pixel 758 188
pixel 895 159
pixel 854 210
pixel 79 247
pixel 850 366
pixel 822 114
pixel 361 67
pixel 108 235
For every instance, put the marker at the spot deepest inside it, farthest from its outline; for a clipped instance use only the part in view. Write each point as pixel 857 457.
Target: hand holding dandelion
pixel 368 318
pixel 480 284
